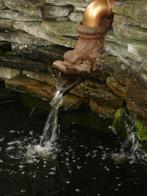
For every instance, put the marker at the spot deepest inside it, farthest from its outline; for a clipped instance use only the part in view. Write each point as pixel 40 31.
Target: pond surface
pixel 83 165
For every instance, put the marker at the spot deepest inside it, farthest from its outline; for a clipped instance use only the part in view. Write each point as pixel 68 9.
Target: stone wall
pixel 33 33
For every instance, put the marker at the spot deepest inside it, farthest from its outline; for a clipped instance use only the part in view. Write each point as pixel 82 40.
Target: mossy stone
pixel 119 123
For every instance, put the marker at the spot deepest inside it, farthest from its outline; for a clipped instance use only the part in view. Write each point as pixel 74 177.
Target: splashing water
pixel 130 149
pixel 49 133
pixel 47 146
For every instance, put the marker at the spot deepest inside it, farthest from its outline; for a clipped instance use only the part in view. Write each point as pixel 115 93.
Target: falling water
pixel 47 145
pixel 49 131
pixel 130 149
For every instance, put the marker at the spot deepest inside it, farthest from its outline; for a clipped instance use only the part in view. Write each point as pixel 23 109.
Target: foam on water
pixel 130 150
pixel 47 147
pixel 35 152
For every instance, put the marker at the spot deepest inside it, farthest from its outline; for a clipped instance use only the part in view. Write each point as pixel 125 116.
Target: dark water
pixel 83 165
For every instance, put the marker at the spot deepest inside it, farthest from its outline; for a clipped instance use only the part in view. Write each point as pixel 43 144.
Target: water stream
pixel 47 146
pixel 49 132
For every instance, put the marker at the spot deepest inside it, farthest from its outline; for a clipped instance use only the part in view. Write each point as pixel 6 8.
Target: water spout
pixel 96 22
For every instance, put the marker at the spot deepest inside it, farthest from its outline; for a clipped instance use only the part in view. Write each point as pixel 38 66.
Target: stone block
pixel 62 29
pixel 41 77
pixel 127 31
pixel 2 6
pixel 136 10
pixel 17 16
pixel 76 17
pixel 75 3
pixel 51 11
pixel 138 52
pixel 25 7
pixel 5 24
pixel 116 87
pixel 41 90
pixel 23 38
pixel 15 62
pixel 44 54
pixel 100 109
pixel 7 73
pixel 35 29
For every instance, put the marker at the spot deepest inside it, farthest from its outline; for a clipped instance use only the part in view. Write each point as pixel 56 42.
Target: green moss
pixel 141 131
pixel 7 53
pixel 125 121
pixel 118 114
pixel 119 123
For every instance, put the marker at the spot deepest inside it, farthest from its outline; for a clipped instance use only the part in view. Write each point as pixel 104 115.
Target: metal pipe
pixel 96 11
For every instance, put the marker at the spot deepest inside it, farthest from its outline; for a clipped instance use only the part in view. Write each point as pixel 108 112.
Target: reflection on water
pixel 83 165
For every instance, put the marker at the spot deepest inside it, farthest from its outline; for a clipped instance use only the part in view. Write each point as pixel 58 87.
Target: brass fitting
pixel 96 11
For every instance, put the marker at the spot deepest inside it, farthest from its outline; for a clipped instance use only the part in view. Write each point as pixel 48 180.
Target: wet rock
pixel 76 17
pixel 6 73
pixel 102 100
pixel 45 54
pixel 16 62
pixel 137 97
pixel 116 87
pixel 49 11
pixel 32 87
pixel 25 7
pixel 57 28
pixel 35 29
pixel 138 52
pixel 99 97
pixel 22 38
pixel 102 94
pixel 41 77
pixel 135 10
pixel 41 90
pixel 75 3
pixel 2 6
pixel 132 92
pixel 17 16
pixel 125 30
pixel 5 25
pixel 102 109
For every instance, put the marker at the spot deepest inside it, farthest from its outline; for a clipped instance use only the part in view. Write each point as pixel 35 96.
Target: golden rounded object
pixel 96 11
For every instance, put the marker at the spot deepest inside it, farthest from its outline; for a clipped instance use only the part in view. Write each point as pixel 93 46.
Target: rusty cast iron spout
pixel 84 58
pixel 96 11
